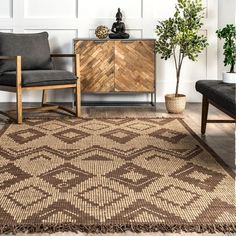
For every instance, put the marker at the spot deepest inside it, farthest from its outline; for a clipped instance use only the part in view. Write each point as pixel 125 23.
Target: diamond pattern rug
pixel 112 175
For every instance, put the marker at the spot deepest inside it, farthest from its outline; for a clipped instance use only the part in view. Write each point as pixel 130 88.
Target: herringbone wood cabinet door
pixel 135 66
pixel 97 65
pixel 116 66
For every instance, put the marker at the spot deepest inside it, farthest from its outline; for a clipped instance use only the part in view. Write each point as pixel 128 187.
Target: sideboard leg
pixel 153 99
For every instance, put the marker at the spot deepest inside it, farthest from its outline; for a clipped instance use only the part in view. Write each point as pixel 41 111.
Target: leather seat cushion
pixel 220 93
pixel 39 78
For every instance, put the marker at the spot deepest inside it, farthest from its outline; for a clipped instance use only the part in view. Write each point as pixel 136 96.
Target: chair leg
pixel 73 98
pixel 19 106
pixel 44 97
pixel 78 99
pixel 205 107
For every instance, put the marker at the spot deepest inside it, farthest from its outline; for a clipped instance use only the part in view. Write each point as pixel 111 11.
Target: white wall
pixel 67 19
pixel 226 15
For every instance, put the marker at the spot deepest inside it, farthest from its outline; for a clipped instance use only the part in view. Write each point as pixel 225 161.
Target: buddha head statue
pixel 119 15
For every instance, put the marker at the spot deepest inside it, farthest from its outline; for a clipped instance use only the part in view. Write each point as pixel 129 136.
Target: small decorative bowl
pixel 102 32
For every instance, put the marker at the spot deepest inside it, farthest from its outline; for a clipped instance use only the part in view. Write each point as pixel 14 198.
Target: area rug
pixel 112 175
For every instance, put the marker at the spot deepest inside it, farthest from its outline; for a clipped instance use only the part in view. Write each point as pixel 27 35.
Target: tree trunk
pixel 177 84
pixel 232 68
pixel 178 70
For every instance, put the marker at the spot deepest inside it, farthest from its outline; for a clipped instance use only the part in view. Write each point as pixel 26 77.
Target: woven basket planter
pixel 175 104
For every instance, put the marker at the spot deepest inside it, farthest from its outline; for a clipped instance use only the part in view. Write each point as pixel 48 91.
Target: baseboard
pixel 117 104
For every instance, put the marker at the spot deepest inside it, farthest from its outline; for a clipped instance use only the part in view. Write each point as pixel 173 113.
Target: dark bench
pixel 220 95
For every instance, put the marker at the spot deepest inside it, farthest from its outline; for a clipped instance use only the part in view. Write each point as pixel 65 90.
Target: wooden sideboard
pixel 117 66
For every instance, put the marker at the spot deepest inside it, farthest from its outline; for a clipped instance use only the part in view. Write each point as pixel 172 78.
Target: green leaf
pixel 228 33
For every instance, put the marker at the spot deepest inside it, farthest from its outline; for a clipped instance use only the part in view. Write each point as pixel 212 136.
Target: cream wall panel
pixel 159 9
pixel 50 8
pixel 108 8
pixel 6 30
pixel 6 23
pixel 6 9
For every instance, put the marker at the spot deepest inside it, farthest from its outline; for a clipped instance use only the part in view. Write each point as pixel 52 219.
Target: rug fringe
pixel 117 228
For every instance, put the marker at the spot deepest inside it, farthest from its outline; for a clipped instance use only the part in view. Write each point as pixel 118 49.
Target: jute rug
pixel 112 175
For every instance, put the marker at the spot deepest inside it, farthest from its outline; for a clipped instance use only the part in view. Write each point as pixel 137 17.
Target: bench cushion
pixel 220 93
pixel 34 49
pixel 39 78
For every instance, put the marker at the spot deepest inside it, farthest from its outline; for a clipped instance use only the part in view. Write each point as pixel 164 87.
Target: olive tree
pixel 179 35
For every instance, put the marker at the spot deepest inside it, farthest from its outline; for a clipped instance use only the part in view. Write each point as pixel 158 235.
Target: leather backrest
pixel 34 49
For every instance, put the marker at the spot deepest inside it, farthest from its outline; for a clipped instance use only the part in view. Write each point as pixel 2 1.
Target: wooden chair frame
pixel 205 108
pixel 18 113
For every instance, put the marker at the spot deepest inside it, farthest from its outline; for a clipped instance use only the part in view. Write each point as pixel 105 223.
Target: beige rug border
pixel 122 228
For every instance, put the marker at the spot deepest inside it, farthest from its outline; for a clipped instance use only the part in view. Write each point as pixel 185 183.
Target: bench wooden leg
pixel 205 107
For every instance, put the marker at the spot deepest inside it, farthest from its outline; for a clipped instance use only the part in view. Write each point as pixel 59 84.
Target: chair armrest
pixel 63 55
pixel 17 59
pixel 9 58
pixel 76 63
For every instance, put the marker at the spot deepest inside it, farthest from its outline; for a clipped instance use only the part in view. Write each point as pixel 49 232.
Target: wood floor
pixel 220 137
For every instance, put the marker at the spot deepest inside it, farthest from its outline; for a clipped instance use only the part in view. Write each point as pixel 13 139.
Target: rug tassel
pixel 117 228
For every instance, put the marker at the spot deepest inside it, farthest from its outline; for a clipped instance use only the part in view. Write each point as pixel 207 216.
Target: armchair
pixel 29 67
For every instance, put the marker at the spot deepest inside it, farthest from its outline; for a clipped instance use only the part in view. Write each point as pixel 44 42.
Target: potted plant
pixel 179 37
pixel 228 33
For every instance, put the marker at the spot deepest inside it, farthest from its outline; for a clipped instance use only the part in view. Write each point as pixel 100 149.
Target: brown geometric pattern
pixel 34 194
pixel 25 136
pixel 167 193
pixel 62 210
pixel 112 175
pixel 10 174
pixel 142 209
pixel 133 176
pixel 199 176
pixel 65 177
pixel 168 135
pixel 94 196
pixel 120 135
pixel 71 135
